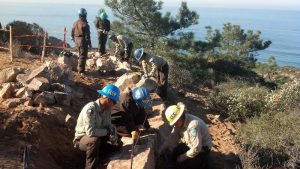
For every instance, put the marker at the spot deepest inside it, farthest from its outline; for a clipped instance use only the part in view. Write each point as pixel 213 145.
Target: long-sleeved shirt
pixel 122 43
pixel 81 29
pixel 102 25
pixel 194 134
pixel 131 114
pixel 92 121
pixel 156 63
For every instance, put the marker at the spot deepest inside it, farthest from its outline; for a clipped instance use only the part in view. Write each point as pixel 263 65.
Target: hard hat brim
pixel 181 110
pixel 104 94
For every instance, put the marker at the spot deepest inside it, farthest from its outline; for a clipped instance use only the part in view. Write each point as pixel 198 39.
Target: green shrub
pixel 277 134
pixel 277 131
pixel 288 96
pixel 237 102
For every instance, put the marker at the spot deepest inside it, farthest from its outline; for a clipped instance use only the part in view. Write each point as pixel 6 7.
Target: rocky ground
pixel 40 103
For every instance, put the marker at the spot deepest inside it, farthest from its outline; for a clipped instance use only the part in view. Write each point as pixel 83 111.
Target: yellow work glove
pixel 134 135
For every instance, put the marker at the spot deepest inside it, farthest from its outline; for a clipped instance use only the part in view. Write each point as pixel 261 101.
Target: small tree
pixel 143 20
pixel 234 44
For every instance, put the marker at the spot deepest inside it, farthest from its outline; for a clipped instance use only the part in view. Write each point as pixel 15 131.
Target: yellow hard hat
pixel 173 113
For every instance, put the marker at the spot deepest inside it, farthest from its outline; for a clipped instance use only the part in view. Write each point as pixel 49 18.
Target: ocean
pixel 280 26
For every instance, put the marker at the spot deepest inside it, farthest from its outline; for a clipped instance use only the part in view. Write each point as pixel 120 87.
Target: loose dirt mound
pixel 44 131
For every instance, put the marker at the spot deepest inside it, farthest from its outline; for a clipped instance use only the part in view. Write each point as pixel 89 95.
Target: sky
pixel 255 4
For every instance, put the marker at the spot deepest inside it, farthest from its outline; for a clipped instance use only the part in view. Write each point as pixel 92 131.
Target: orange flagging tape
pixel 22 36
pixel 59 47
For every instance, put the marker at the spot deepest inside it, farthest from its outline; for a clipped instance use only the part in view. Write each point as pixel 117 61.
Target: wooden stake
pixel 44 46
pixel 11 43
pixel 65 38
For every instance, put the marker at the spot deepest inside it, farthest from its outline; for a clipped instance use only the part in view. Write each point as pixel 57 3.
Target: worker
pixel 94 127
pixel 123 46
pixel 158 65
pixel 131 111
pixel 81 34
pixel 103 27
pixel 194 149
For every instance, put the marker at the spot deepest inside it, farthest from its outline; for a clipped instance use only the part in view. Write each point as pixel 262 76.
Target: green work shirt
pixel 92 122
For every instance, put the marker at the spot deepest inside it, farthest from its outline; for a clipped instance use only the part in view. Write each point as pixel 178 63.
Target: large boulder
pixel 128 80
pixel 149 83
pixel 39 84
pixel 69 59
pixel 9 75
pixel 62 98
pixel 123 67
pixel 7 90
pixel 41 71
pixel 144 156
pixel 44 98
pixel 60 73
pixel 104 63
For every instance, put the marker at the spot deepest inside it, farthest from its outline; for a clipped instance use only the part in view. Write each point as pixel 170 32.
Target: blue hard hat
pixel 138 53
pixel 142 97
pixel 82 12
pixel 111 91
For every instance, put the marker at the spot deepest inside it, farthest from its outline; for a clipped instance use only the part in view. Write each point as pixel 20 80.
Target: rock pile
pixel 45 85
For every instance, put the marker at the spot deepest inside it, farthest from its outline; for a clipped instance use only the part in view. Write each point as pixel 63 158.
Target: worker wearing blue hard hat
pixel 94 127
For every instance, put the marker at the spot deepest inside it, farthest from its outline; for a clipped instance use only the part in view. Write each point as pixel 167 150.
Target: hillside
pixel 43 129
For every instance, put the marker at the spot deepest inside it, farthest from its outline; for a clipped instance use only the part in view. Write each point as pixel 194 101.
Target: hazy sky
pixel 261 4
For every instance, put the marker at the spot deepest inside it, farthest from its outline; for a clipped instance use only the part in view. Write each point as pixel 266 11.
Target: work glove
pixel 134 136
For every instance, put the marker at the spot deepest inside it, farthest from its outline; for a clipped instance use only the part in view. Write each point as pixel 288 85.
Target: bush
pixel 287 97
pixel 21 28
pixel 237 102
pixel 279 133
pixel 249 158
pixel 179 78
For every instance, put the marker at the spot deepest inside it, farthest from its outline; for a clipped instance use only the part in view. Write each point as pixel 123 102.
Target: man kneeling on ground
pixel 194 149
pixel 131 112
pixel 94 127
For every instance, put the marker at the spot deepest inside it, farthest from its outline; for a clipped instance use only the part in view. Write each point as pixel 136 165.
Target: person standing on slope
pixel 81 34
pixel 103 27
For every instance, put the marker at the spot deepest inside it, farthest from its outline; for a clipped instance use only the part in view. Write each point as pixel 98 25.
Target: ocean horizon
pixel 282 27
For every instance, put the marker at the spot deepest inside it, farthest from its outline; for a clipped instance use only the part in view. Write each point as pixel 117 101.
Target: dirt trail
pixel 44 131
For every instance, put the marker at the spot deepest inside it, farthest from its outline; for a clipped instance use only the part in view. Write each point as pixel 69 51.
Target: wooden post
pixel 44 46
pixel 65 38
pixel 11 43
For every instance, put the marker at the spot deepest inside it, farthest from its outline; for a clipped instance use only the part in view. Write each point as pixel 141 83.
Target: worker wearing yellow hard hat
pixel 190 137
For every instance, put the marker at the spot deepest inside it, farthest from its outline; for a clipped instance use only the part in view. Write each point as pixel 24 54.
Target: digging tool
pixel 25 158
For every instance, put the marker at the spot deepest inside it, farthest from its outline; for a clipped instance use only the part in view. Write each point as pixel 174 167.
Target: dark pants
pixel 95 148
pixel 162 80
pixel 198 162
pixel 82 47
pixel 126 56
pixel 102 38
